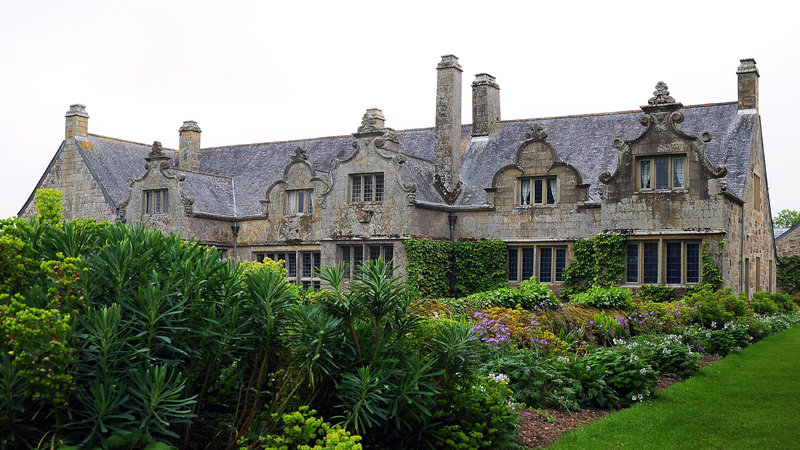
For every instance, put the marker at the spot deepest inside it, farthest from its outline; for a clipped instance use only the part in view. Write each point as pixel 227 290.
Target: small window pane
pixel 291 261
pixel 677 172
pixel 346 261
pixel 309 209
pixel 157 203
pixel 650 263
pixel 367 188
pixel 692 263
pixel 388 253
pixel 301 200
pixel 379 187
pixel 662 173
pixel 537 191
pixel 632 267
pixel 292 199
pixel 673 262
pixel 644 174
pixel 527 263
pixel 164 207
pixel 551 191
pixel 356 189
pixel 561 263
pixel 306 265
pixel 374 252
pixel 317 263
pixel 512 264
pixel 358 257
pixel 546 265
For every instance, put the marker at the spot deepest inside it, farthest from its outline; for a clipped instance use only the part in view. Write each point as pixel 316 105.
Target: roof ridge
pixel 126 140
pixel 198 172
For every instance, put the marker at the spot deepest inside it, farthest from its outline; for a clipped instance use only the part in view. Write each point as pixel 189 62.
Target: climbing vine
pixel 711 273
pixel 598 261
pixel 476 266
pixel 788 274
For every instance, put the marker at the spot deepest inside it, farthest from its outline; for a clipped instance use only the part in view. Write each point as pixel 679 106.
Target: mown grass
pixel 750 399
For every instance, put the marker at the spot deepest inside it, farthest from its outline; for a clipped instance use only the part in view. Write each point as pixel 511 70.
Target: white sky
pixel 257 72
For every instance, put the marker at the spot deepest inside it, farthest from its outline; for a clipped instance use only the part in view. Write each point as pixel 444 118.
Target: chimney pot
pixel 747 75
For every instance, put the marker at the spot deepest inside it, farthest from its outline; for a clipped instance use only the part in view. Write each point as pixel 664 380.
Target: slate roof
pixel 233 179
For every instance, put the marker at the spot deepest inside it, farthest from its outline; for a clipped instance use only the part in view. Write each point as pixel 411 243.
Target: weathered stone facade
pixel 675 180
pixel 788 243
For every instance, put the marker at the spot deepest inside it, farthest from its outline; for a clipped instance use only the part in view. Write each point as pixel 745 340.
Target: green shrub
pixel 529 294
pixel 476 415
pixel 606 328
pixel 784 302
pixel 658 293
pixel 626 378
pixel 302 430
pixel 530 377
pixel 667 354
pixel 604 298
pixel 713 309
pixel 763 304
pixel 723 341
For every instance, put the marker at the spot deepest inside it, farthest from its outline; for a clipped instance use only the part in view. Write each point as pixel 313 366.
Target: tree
pixel 787 218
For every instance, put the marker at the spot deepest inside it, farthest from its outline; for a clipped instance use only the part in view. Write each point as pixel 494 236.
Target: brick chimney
pixel 485 104
pixel 447 146
pixel 77 123
pixel 748 84
pixel 189 146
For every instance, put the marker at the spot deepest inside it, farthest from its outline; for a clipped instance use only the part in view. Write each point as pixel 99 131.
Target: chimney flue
pixel 77 123
pixel 189 146
pixel 447 146
pixel 485 104
pixel 747 75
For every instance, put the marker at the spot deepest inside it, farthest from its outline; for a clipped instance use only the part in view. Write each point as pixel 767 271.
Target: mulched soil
pixel 542 427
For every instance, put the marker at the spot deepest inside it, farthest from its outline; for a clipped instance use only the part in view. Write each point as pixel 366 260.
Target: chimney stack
pixel 447 146
pixel 748 84
pixel 485 104
pixel 77 123
pixel 189 146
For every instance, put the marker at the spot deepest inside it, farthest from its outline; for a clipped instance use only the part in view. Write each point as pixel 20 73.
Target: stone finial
pixel 77 110
pixel 449 62
pixel 156 151
pixel 190 125
pixel 661 95
pixel 537 133
pixel 747 65
pixel 300 155
pixel 372 121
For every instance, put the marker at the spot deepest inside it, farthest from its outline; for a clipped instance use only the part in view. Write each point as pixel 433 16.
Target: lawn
pixel 750 399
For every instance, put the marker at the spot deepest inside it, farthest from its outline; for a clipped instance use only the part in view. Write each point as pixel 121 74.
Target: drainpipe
pixel 451 219
pixel 741 249
pixel 235 230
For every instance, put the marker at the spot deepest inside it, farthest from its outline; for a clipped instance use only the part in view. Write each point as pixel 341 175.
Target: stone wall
pixel 789 243
pixel 82 195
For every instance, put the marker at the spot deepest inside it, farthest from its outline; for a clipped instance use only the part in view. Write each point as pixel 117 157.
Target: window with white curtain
pixel 661 173
pixel 538 191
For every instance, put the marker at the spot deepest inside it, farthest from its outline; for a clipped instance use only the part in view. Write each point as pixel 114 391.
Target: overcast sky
pixel 256 72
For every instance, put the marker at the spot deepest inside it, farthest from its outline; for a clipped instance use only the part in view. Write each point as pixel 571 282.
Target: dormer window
pixel 299 202
pixel 538 191
pixel 156 201
pixel 366 187
pixel 661 173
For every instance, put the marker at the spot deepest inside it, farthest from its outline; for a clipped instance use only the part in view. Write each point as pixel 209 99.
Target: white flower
pixel 708 335
pixel 643 371
pixel 667 351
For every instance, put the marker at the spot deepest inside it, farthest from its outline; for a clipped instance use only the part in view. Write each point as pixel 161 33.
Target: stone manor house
pixel 672 178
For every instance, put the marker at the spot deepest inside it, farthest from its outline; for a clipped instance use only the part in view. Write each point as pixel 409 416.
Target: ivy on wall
pixel 598 261
pixel 788 274
pixel 477 266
